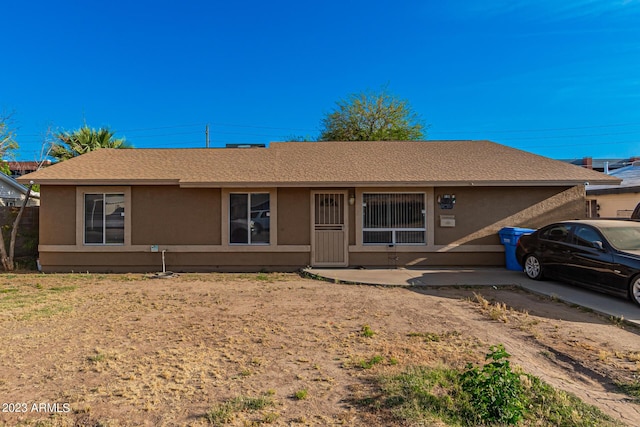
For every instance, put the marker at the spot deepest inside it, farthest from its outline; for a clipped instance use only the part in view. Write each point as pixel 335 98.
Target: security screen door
pixel 329 237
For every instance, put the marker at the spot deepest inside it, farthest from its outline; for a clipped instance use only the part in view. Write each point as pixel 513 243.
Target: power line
pixel 136 129
pixel 196 132
pixel 457 132
pixel 248 135
pixel 167 134
pixel 548 129
pixel 581 144
pixel 589 135
pixel 261 127
pixel 162 127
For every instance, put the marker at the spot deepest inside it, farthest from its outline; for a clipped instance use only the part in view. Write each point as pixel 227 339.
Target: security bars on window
pixel 393 218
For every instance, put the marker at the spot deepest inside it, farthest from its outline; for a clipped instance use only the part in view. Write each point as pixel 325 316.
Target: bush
pixel 487 395
pixel 495 391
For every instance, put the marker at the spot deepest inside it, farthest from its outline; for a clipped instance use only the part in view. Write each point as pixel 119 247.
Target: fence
pixel 27 238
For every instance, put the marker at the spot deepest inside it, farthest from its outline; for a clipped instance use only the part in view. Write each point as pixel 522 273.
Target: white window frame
pixel 249 242
pixel 394 230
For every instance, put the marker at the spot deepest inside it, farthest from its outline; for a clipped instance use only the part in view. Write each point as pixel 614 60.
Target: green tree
pixel 299 138
pixel 83 140
pixel 372 116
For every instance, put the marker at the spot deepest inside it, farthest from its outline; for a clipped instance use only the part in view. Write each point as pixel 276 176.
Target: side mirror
pixel 598 245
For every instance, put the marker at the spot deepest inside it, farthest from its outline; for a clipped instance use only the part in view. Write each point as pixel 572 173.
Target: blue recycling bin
pixel 509 238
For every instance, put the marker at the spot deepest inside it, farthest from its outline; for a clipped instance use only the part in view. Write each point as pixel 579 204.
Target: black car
pixel 600 254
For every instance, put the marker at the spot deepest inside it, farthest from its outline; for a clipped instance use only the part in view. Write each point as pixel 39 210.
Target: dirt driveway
pixel 117 350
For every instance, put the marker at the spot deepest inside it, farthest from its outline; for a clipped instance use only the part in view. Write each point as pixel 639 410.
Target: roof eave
pixel 613 190
pixel 365 184
pixel 96 182
pixel 13 183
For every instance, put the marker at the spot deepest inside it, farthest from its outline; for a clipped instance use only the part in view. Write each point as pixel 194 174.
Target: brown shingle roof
pixel 322 164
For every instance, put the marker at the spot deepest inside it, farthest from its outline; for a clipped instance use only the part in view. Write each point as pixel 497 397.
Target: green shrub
pixel 366 331
pixel 495 391
pixel 224 413
pixel 489 395
pixel 368 364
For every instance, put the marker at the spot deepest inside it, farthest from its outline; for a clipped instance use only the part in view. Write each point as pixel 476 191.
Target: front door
pixel 329 230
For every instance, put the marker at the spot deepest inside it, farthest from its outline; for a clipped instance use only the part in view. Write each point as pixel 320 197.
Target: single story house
pixel 295 204
pixel 12 193
pixel 615 201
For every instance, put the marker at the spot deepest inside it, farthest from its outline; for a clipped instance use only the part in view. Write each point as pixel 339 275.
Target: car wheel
pixel 533 268
pixel 634 290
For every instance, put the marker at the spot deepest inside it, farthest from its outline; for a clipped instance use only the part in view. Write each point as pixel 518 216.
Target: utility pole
pixel 206 132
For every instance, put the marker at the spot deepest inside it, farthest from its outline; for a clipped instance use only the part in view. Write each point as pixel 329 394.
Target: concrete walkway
pixel 600 303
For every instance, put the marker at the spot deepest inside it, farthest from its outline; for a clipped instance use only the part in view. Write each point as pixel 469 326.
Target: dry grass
pixel 593 346
pixel 127 350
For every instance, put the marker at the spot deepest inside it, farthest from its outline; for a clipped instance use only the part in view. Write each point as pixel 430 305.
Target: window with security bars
pixel 393 218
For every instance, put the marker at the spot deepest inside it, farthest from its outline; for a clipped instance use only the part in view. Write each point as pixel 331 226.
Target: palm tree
pixel 83 140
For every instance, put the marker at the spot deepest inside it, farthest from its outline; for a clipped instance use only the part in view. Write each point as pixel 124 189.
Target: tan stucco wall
pixel 191 218
pixel 294 216
pixel 392 259
pixel 616 205
pixel 481 212
pixel 351 216
pixel 57 215
pixel 176 262
pixel 162 215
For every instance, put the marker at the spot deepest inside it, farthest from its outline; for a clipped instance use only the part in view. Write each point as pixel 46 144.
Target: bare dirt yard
pixel 276 349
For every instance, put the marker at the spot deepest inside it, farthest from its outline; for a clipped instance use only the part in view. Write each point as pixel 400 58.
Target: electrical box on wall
pixel 447 221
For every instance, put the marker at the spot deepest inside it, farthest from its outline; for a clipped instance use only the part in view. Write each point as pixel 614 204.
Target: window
pixel 556 233
pixel 104 219
pixel 586 236
pixel 624 238
pixel 592 209
pixel 249 218
pixel 393 218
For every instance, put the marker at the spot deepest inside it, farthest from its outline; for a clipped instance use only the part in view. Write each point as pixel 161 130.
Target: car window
pixel 624 238
pixel 585 236
pixel 556 233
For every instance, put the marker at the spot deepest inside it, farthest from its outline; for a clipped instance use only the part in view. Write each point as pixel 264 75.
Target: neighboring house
pixel 294 204
pixel 12 193
pixel 19 168
pixel 615 201
pixel 602 165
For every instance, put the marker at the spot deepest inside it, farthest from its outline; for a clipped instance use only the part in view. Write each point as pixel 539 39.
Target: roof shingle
pixel 322 163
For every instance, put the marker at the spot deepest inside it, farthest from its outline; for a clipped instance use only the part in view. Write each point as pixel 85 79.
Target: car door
pixel 591 260
pixel 554 249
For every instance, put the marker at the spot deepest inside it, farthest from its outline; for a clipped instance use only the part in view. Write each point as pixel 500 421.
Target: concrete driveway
pixel 600 303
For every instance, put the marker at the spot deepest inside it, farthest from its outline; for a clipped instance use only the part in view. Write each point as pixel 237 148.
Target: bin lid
pixel 515 230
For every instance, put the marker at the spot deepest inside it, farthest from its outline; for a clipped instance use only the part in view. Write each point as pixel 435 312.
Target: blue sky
pixel 557 78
